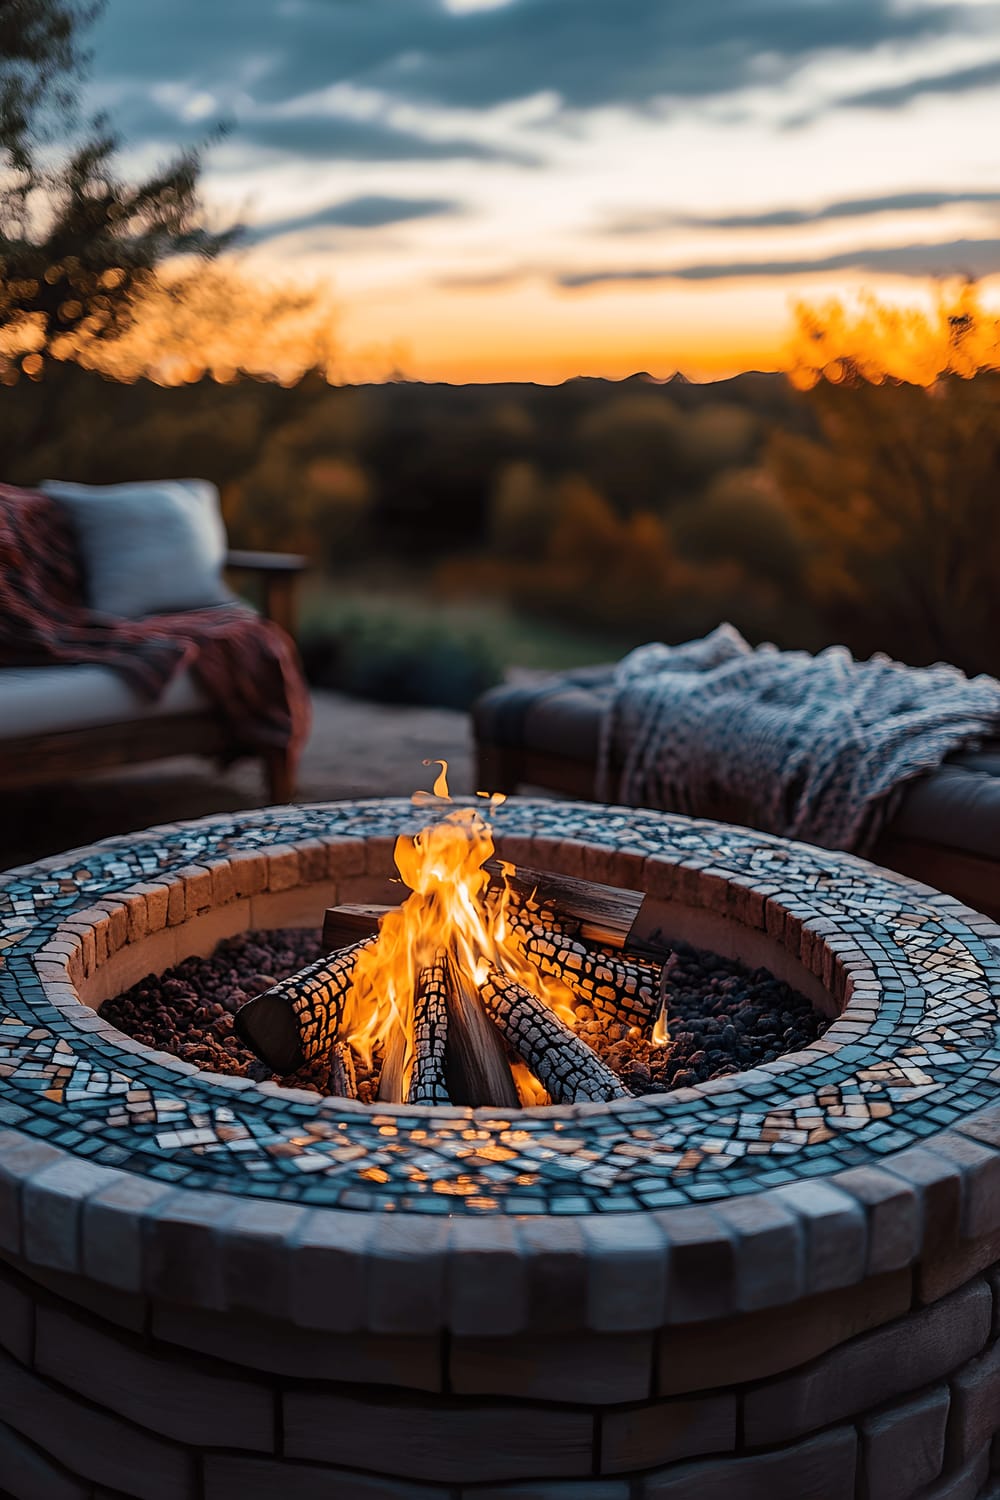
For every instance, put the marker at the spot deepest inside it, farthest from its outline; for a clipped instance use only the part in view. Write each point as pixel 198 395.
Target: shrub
pixel 741 517
pixel 392 657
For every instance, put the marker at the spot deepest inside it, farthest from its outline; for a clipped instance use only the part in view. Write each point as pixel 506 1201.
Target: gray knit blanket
pixel 817 748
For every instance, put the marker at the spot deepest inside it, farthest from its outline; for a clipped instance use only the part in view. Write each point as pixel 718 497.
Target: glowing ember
pixel 453 909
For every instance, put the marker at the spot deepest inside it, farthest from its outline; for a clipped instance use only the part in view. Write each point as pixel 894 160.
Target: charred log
pixel 300 1018
pixel 565 1066
pixel 619 989
pixel 601 914
pixel 428 1084
pixel 604 915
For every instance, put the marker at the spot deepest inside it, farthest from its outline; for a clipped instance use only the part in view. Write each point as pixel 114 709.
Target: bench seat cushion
pixel 956 806
pixel 555 715
pixel 50 700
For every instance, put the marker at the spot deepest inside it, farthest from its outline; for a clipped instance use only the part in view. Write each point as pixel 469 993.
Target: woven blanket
pixel 817 748
pixel 247 666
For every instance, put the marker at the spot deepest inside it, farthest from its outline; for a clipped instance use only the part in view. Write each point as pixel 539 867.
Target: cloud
pixel 329 137
pixel 956 257
pixel 313 135
pixel 634 52
pixel 590 53
pixel 369 211
pixel 484 281
pixel 786 218
pixel 959 81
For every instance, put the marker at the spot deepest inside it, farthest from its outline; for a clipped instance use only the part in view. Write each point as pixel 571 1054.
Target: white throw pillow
pixel 147 548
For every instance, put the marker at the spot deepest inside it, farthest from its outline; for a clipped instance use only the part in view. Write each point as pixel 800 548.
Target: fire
pixel 454 907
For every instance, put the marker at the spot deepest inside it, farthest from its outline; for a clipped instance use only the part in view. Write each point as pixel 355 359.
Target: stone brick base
pixel 780 1285
pixel 165 1407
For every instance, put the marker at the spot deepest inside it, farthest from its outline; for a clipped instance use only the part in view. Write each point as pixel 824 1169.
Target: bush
pixel 392 658
pixel 740 517
pixel 897 502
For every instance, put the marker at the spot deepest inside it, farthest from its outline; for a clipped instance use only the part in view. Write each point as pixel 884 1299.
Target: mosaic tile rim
pixel 915 1051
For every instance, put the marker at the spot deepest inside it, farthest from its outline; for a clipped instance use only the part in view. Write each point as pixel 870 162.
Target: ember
pixel 467 993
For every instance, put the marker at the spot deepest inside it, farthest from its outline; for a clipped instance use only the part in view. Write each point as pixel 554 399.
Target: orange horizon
pixel 538 335
pixel 236 323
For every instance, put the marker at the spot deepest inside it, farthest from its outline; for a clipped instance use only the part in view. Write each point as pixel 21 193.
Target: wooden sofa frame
pixel 66 754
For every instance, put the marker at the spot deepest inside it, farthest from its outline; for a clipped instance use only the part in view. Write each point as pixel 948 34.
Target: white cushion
pixel 45 700
pixel 147 548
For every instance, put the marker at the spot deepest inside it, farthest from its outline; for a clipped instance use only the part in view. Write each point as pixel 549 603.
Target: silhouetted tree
pixel 38 53
pixel 896 493
pixel 78 244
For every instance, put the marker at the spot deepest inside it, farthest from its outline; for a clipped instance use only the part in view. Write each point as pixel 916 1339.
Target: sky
pixel 537 189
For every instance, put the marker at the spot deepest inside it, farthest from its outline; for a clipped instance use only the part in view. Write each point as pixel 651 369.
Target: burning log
pixel 565 1066
pixel 349 923
pixel 428 1083
pixel 605 915
pixel 300 1018
pixel 602 914
pixel 476 1066
pixel 343 1079
pixel 462 1041
pixel 620 989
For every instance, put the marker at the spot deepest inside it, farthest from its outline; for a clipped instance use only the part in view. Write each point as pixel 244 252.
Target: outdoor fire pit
pixel 780 1282
pixel 470 991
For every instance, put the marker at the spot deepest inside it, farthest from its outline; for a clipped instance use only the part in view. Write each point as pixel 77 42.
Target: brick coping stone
pixel 874 1150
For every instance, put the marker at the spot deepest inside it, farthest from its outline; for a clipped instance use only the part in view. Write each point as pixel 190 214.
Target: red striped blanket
pixel 247 666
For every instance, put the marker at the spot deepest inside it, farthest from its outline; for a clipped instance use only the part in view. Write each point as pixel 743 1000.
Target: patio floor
pixel 355 749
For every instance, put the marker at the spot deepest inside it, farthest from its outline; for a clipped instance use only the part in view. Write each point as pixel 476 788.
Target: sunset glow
pixel 519 190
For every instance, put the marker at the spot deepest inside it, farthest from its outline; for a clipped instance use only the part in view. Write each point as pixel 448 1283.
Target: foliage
pixel 897 499
pixel 592 567
pixel 38 52
pixel 897 492
pixel 510 638
pixel 872 342
pixel 520 511
pixel 79 245
pixel 741 515
pixel 479 491
pixel 218 320
pixel 645 453
pixel 856 501
pixel 386 655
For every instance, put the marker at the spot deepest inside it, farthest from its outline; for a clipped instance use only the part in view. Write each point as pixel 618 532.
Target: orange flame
pixel 453 905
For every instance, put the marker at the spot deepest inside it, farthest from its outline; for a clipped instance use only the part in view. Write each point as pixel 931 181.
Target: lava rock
pixel 188 1010
pixel 722 1017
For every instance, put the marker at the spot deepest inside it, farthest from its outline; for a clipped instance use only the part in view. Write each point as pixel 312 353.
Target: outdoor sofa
pixel 946 831
pixel 59 721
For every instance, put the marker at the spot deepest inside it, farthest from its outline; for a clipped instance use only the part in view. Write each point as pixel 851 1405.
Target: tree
pixel 896 491
pixel 865 341
pixel 38 52
pixel 220 320
pixel 79 246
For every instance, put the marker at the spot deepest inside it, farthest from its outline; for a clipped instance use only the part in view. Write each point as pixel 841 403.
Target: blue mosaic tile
pixel 931 1057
